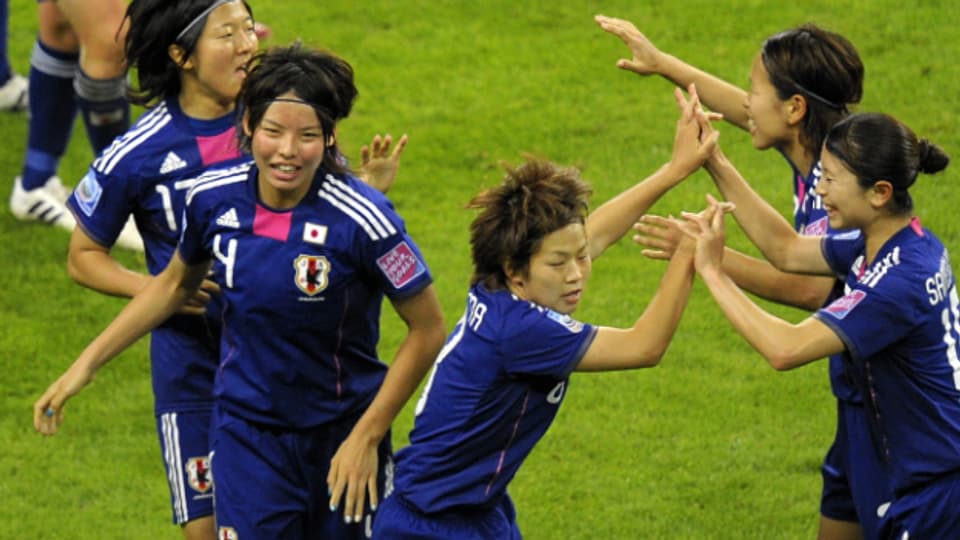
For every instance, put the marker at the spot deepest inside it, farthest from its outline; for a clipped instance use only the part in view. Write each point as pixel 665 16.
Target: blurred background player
pixel 13 88
pixel 189 57
pixel 76 65
pixel 801 82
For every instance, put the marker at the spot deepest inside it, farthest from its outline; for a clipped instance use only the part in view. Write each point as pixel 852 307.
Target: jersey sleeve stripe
pixel 348 211
pixel 137 137
pixel 365 202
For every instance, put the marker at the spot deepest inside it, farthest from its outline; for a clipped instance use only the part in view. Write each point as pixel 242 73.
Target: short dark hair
pixel 534 200
pixel 320 78
pixel 154 25
pixel 879 147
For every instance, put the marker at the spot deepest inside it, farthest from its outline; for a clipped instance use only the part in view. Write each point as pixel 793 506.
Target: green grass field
pixel 711 444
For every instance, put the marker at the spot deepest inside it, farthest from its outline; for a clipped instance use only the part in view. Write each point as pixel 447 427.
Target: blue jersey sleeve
pixel 101 204
pixel 870 319
pixel 543 342
pixel 386 250
pixel 841 250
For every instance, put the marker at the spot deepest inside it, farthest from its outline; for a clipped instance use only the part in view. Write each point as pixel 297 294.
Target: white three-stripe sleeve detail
pixel 144 133
pixel 365 202
pixel 348 211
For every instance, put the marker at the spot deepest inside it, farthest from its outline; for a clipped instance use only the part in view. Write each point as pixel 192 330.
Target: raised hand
pixel 707 228
pixel 646 56
pixel 660 236
pixel 695 139
pixel 378 165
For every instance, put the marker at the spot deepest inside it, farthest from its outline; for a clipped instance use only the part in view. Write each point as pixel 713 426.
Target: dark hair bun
pixel 932 158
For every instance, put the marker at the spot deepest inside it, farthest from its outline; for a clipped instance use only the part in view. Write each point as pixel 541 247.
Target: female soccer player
pixel 503 372
pixel 303 253
pixel 801 83
pixel 897 324
pixel 189 59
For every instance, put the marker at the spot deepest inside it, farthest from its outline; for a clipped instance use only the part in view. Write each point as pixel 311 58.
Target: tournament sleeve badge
pixel 88 193
pixel 401 265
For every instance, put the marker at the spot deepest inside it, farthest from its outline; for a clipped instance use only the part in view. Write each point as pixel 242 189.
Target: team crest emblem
pixel 198 474
pixel 227 533
pixel 312 273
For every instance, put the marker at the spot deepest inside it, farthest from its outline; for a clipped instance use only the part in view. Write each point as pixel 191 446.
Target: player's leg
pixel 13 87
pixel 396 520
pixel 259 490
pixel 867 472
pixel 927 512
pixel 37 193
pixel 317 450
pixel 100 80
pixel 185 446
pixel 838 513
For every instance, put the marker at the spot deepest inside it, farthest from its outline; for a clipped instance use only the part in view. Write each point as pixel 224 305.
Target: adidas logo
pixel 229 219
pixel 171 163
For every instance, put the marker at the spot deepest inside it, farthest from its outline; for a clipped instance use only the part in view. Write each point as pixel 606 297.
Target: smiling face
pixel 214 72
pixel 288 146
pixel 847 203
pixel 767 113
pixel 558 272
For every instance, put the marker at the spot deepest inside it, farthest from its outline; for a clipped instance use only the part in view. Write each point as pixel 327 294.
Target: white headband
pixel 201 17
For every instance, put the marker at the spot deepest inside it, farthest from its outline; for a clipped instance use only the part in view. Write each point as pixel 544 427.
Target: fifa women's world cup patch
pixel 88 193
pixel 312 273
pixel 401 265
pixel 569 322
pixel 845 304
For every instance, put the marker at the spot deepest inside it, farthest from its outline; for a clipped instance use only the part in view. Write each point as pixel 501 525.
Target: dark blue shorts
pixel 397 520
pixel 185 446
pixel 931 512
pixel 272 483
pixel 855 478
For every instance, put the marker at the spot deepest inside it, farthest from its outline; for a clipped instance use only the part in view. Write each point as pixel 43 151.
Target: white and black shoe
pixel 13 94
pixel 43 204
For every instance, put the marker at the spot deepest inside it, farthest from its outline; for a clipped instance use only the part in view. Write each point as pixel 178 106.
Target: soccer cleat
pixel 40 205
pixel 56 188
pixel 13 94
pixel 129 237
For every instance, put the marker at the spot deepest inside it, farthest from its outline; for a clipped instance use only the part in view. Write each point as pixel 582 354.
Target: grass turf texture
pixel 711 444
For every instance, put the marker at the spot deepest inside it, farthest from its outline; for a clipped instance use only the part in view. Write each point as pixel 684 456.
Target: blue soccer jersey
pixel 146 172
pixel 900 322
pixel 495 389
pixel 302 292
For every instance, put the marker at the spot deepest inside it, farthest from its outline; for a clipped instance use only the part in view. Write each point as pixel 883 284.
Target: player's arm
pixel 761 278
pixel 151 306
pixel 780 244
pixel 613 219
pixel 721 96
pixel 353 469
pixel 784 345
pixel 90 264
pixel 660 237
pixel 644 344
